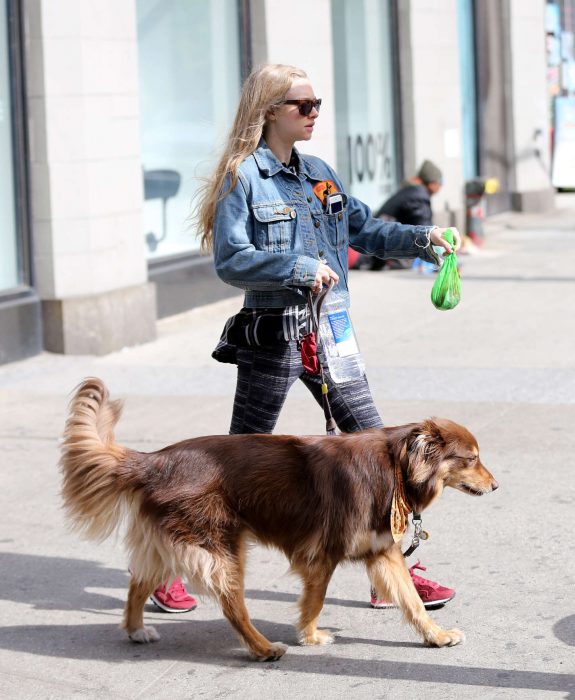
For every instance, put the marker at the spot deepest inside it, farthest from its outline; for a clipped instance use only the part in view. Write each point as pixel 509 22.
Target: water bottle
pixel 338 339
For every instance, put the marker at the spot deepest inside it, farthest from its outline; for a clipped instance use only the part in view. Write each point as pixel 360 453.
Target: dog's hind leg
pixel 134 613
pixel 390 577
pixel 315 582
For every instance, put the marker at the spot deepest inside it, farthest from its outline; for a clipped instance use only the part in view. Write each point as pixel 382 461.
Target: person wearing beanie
pixel 411 204
pixel 430 176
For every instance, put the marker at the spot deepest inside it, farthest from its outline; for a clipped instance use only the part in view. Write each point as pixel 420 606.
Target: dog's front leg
pixel 390 577
pixel 315 582
pixel 134 613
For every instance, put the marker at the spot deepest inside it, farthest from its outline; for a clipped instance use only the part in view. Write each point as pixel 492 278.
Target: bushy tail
pixel 95 478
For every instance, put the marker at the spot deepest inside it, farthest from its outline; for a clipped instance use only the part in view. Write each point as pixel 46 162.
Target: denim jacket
pixel 272 230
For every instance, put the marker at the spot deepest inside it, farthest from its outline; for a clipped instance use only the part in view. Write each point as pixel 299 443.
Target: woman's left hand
pixel 436 238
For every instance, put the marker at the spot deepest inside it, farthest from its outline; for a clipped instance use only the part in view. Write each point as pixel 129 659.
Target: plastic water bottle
pixel 338 339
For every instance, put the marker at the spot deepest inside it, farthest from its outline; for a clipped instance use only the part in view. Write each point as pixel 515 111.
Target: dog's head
pixel 442 453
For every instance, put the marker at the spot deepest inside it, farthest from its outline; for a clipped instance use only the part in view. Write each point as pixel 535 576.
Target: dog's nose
pixel 494 484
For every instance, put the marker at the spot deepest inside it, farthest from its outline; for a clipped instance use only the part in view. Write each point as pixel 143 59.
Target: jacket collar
pixel 269 165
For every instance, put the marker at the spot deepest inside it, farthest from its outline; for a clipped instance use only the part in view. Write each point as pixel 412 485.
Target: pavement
pixel 501 363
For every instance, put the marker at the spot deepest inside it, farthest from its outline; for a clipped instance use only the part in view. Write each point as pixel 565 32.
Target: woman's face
pixel 286 121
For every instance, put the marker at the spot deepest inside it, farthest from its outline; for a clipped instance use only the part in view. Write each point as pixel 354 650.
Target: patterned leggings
pixel 265 375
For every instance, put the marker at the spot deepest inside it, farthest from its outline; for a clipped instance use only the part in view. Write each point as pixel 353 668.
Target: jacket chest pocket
pixel 336 228
pixel 274 227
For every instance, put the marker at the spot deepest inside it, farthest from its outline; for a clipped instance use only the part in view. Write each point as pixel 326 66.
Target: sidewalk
pixel 502 363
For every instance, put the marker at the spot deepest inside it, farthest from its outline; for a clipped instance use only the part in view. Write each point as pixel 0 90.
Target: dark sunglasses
pixel 304 106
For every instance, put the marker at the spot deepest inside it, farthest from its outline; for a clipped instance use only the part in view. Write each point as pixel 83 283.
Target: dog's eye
pixel 464 458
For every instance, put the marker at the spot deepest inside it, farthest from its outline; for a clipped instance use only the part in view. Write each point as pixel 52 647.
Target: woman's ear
pixel 425 446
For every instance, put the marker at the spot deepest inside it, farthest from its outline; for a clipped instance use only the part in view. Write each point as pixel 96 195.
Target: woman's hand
pixel 323 276
pixel 436 238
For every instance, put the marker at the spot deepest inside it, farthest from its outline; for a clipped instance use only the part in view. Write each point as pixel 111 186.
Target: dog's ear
pixel 424 450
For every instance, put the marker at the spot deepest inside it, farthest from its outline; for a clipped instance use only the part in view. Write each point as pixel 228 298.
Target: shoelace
pixel 423 581
pixel 417 565
pixel 177 589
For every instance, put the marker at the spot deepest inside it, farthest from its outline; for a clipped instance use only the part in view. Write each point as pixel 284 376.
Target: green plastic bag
pixel 446 291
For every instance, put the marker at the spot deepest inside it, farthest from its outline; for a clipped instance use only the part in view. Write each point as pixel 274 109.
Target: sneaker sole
pixel 428 606
pixel 165 608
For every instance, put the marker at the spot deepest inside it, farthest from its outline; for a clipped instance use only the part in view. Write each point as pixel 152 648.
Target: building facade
pixel 111 113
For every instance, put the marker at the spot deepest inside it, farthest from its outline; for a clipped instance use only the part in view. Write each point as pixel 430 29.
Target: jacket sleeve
pixel 237 260
pixel 387 239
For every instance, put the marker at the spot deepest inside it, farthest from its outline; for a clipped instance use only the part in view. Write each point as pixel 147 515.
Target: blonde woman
pixel 279 223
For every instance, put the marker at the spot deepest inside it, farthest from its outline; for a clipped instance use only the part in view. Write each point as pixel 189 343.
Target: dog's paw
pixel 316 638
pixel 275 651
pixel 144 635
pixel 445 638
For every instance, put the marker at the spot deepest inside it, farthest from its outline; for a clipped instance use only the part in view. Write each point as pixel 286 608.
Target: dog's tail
pixel 95 475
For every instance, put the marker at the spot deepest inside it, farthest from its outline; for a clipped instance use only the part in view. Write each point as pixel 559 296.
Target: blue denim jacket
pixel 271 231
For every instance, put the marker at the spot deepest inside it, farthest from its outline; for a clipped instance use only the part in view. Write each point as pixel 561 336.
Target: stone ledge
pixel 100 324
pixel 533 201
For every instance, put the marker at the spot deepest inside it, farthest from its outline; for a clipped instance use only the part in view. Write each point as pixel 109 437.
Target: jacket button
pixel 310 200
pixel 316 223
pixel 340 216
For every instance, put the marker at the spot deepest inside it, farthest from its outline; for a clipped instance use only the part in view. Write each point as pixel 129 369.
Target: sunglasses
pixel 305 107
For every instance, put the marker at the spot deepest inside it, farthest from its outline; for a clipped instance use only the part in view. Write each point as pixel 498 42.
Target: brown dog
pixel 191 507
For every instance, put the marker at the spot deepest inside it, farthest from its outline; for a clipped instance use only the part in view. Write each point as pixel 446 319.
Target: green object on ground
pixel 446 291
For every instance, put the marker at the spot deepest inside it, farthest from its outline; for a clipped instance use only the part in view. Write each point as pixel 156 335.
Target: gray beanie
pixel 429 172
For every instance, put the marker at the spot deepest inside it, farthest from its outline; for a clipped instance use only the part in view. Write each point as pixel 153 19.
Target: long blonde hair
pixel 264 87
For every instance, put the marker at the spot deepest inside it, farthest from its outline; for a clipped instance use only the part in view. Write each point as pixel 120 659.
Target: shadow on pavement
pixel 213 642
pixel 564 630
pixel 52 583
pixel 56 583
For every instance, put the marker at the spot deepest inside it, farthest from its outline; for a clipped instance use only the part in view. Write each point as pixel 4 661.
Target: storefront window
pixel 189 65
pixel 364 98
pixel 9 268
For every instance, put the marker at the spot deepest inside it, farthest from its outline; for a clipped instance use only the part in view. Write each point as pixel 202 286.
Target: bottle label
pixel 343 334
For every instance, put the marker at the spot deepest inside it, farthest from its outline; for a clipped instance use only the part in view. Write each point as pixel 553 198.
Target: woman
pixel 279 223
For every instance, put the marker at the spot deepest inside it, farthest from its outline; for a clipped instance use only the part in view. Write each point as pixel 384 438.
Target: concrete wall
pixel 430 81
pixel 86 173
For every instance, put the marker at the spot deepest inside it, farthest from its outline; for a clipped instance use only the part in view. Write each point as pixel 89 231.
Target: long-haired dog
pixel 191 508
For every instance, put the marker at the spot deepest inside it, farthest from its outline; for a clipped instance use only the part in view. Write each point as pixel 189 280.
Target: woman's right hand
pixel 323 276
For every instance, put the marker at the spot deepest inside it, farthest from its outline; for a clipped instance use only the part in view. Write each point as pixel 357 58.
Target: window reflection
pixel 189 68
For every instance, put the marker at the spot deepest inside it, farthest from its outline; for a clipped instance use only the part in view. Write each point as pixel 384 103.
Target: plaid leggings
pixel 265 375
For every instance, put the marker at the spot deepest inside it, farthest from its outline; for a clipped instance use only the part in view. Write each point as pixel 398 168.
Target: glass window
pixel 366 156
pixel 189 67
pixel 9 267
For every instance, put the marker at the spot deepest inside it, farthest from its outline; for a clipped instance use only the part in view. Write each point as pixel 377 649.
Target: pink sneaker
pixel 432 594
pixel 174 600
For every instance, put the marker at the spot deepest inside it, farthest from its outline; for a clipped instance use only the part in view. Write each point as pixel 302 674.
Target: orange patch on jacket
pixel 323 188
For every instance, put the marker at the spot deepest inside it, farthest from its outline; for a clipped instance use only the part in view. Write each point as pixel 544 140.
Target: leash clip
pixel 418 534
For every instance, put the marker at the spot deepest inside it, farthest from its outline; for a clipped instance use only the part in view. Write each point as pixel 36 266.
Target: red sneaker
pixel 175 599
pixel 432 594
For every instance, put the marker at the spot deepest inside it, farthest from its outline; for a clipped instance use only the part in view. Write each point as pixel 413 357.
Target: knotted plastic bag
pixel 446 291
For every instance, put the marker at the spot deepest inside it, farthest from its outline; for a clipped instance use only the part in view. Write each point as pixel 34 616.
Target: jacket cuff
pixel 304 271
pixel 422 240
